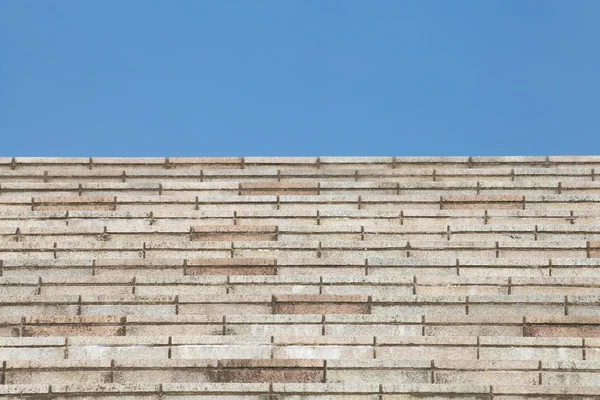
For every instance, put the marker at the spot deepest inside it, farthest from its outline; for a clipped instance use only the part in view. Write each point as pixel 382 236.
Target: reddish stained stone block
pixel 482 202
pixel 234 233
pixel 271 370
pixel 321 304
pixel 279 188
pixel 237 237
pixel 231 266
pixel 270 375
pixel 594 251
pixel 231 271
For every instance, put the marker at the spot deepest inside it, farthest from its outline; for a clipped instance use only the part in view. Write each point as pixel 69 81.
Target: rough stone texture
pixel 292 278
pixel 234 233
pixel 231 266
pixel 279 188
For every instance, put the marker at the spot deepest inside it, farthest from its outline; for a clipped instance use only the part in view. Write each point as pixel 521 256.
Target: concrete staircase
pixel 300 278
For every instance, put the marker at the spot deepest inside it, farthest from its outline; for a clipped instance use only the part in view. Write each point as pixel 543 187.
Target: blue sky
pixel 293 78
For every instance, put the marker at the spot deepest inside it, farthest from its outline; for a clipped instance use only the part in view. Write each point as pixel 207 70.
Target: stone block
pixel 321 304
pixel 234 233
pixel 231 266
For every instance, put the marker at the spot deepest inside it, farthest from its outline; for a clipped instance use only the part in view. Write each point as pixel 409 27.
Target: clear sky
pixel 299 77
